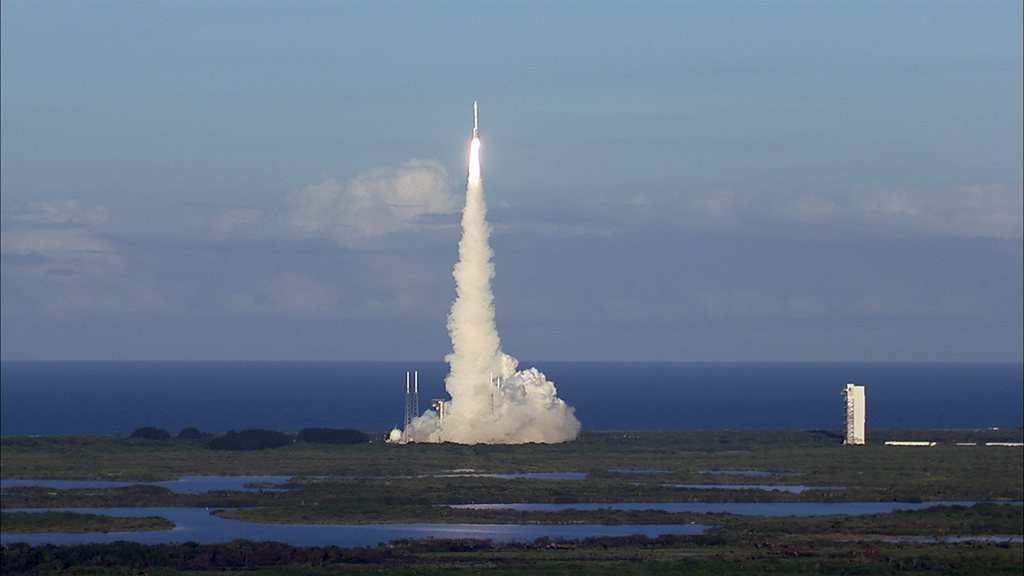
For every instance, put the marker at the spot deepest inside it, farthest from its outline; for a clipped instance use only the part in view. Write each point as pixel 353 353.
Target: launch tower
pixel 855 411
pixel 412 398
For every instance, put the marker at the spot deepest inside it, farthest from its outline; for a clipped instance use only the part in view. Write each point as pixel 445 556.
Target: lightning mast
pixel 412 397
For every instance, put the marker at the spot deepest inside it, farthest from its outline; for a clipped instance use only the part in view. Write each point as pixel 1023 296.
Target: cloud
pixel 972 211
pixel 977 211
pixel 899 302
pixel 62 212
pixel 374 203
pixel 749 305
pixel 237 221
pixel 720 205
pixel 57 244
pixel 59 239
pixel 809 209
pixel 292 295
pixel 56 259
pixel 703 305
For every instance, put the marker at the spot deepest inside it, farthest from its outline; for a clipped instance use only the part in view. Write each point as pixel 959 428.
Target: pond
pixel 199 525
pixel 951 539
pixel 750 473
pixel 792 488
pixel 514 475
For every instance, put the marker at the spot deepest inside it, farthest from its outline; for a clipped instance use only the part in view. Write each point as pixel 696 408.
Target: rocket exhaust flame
pixel 491 401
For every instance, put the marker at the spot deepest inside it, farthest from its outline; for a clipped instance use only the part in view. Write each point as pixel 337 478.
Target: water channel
pixel 740 508
pixel 199 525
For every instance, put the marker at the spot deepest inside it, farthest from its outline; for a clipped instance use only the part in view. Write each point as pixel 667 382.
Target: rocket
pixel 476 122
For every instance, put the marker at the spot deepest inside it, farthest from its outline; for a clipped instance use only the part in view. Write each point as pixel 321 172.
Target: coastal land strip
pixel 378 483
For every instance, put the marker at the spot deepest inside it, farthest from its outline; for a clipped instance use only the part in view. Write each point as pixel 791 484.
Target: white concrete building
pixel 855 414
pixel 917 443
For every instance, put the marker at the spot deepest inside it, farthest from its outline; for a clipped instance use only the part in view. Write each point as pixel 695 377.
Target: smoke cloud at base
pixel 492 402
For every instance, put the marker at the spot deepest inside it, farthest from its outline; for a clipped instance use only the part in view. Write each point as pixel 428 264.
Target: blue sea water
pixel 112 397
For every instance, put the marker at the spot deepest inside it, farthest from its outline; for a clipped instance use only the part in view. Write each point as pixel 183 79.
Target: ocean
pixel 48 398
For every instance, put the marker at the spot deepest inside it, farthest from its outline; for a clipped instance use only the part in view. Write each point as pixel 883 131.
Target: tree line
pixel 255 439
pixel 21 558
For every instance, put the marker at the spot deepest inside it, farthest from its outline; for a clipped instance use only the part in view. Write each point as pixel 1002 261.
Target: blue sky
pixel 666 180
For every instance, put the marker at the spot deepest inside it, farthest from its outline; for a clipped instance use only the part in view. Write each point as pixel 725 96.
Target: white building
pixel 855 409
pixel 917 443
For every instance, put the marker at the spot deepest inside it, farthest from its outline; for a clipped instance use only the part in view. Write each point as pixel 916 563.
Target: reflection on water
pixel 792 488
pixel 202 484
pixel 514 475
pixel 751 473
pixel 951 539
pixel 199 525
pixel 741 508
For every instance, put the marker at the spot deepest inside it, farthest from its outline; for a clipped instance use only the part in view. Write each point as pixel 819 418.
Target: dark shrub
pixel 150 433
pixel 333 436
pixel 190 434
pixel 250 440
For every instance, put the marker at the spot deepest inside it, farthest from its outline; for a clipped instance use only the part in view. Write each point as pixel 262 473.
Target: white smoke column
pixel 475 344
pixel 491 402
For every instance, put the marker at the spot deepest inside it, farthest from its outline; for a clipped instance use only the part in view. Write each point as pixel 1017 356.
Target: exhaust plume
pixel 492 402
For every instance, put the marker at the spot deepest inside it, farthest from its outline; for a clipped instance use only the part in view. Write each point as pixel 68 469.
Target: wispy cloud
pixel 979 211
pixel 975 211
pixel 372 204
pixel 238 221
pixel 290 294
pixel 368 206
pixel 57 258
pixel 59 212
pixel 59 239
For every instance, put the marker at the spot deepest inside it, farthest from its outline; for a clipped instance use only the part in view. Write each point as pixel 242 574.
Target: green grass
pixel 34 522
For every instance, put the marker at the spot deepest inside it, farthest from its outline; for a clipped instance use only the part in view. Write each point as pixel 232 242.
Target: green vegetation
pixel 595 556
pixel 26 522
pixel 190 434
pixel 250 440
pixel 810 458
pixel 150 433
pixel 332 436
pixel 379 483
pixel 936 522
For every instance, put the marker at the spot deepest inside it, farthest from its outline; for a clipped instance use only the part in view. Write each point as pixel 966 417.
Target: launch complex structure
pixel 855 414
pixel 412 398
